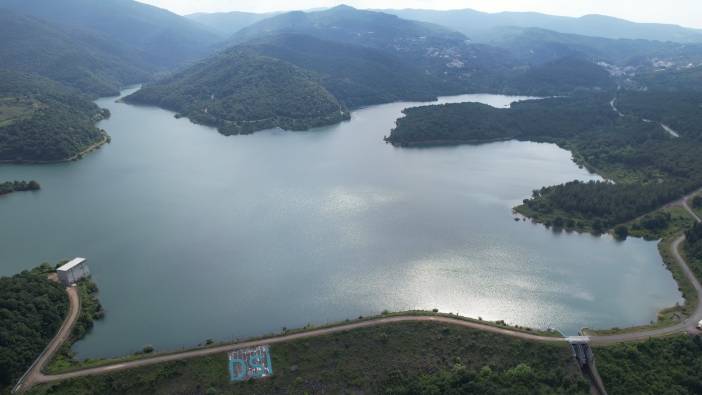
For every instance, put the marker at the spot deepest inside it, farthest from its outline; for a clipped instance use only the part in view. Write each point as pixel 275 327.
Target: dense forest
pixel 657 366
pixel 521 379
pixel 693 248
pixel 240 92
pixel 567 75
pixel 32 309
pixel 18 186
pixel 41 120
pixel 74 58
pixel 356 75
pixel 649 167
pixel 678 110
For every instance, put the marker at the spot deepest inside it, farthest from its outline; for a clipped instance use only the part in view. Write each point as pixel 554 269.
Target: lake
pixel 192 235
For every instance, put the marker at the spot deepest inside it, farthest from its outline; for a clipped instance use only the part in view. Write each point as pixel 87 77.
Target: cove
pixel 192 235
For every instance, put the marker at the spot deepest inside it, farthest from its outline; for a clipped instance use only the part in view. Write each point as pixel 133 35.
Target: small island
pixel 18 186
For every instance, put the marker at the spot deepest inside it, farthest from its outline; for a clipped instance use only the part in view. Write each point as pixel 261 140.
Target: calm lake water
pixel 191 235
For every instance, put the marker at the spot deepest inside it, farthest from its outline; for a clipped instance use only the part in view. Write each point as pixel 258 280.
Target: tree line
pixel 18 186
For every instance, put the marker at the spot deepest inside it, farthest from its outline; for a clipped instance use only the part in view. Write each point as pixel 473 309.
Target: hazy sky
pixel 682 12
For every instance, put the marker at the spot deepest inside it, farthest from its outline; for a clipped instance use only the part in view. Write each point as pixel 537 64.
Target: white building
pixel 73 271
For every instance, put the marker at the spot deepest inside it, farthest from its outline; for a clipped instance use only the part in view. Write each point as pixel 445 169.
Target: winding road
pixel 35 376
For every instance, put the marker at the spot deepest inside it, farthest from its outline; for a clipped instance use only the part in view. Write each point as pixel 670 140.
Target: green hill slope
pixel 41 120
pixel 438 52
pixel 164 39
pixel 355 75
pixel 74 58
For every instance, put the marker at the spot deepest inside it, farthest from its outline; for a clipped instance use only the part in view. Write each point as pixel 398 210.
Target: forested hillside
pixel 680 110
pixel 656 366
pixel 440 53
pixel 688 79
pixel 360 58
pixel 693 248
pixel 240 92
pixel 566 75
pixel 41 120
pixel 155 36
pixel 82 61
pixel 355 75
pixel 32 309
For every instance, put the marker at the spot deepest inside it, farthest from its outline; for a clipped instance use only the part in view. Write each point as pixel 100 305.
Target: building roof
pixel 71 264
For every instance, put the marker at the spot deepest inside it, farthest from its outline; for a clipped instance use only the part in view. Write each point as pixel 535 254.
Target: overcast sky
pixel 682 12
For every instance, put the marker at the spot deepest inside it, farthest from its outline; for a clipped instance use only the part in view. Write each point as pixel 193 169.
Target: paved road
pixel 34 374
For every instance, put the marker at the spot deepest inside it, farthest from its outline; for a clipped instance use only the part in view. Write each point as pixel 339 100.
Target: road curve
pixel 687 325
pixel 34 374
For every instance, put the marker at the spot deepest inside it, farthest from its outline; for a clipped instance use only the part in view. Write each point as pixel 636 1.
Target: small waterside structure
pixel 73 271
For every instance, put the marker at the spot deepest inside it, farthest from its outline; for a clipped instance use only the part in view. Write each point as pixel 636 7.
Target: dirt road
pixel 34 374
pixel 41 378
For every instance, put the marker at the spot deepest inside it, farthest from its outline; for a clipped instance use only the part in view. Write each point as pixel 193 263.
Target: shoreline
pixel 105 140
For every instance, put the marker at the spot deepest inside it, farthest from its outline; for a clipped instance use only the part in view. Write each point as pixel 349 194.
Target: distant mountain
pixel 81 60
pixel 302 69
pixel 227 23
pixel 347 24
pixel 439 52
pixel 167 40
pixel 239 92
pixel 532 45
pixel 475 23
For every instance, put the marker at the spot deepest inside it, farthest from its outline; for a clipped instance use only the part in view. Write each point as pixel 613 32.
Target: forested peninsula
pixel 645 165
pixel 44 121
pixel 241 92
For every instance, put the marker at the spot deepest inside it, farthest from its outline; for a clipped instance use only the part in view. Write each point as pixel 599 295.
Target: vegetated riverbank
pixel 403 358
pixel 42 121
